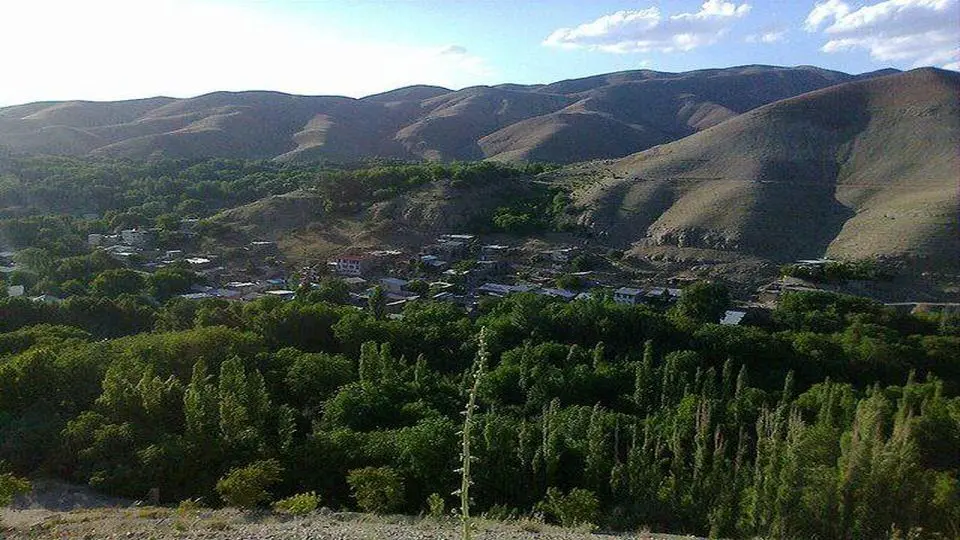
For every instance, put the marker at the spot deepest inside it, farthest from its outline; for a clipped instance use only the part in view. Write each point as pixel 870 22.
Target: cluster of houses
pixel 8 265
pixel 138 247
pixel 128 245
pixel 457 268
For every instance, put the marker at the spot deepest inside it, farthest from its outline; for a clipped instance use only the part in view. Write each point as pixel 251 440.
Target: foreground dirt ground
pixel 168 523
pixel 57 510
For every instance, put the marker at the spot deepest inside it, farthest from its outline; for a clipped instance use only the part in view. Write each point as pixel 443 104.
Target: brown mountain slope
pixel 576 135
pixel 862 169
pixel 409 93
pixel 260 125
pixel 604 116
pixel 457 121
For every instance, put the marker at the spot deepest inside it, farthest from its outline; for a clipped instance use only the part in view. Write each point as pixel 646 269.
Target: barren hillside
pixel 866 168
pixel 605 116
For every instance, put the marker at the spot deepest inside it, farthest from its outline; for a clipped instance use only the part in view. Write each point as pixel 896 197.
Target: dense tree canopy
pixel 845 426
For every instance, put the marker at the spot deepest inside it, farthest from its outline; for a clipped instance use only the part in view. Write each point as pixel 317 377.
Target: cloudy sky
pixel 120 49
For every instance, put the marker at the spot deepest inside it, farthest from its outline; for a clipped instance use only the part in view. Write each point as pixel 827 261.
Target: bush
pixel 703 302
pixel 189 507
pixel 418 286
pixel 246 487
pixel 298 505
pixel 500 512
pixel 531 524
pixel 436 506
pixel 569 282
pixel 578 507
pixel 582 263
pixel 376 489
pixel 10 487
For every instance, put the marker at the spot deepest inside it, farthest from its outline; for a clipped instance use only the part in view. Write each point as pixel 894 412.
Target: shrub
pixel 583 262
pixel 418 286
pixel 298 505
pixel 570 282
pixel 188 507
pixel 531 524
pixel 246 487
pixel 10 487
pixel 500 512
pixel 376 489
pixel 436 506
pixel 578 507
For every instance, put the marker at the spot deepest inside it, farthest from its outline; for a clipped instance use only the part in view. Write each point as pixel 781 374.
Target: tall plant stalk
pixel 467 459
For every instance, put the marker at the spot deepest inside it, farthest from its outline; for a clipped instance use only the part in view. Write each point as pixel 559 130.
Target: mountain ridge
pixel 557 122
pixel 867 169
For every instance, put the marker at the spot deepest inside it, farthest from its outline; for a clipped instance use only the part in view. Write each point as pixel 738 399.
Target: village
pixel 457 267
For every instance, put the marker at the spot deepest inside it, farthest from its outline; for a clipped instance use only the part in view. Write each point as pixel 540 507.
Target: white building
pixel 351 265
pixel 732 317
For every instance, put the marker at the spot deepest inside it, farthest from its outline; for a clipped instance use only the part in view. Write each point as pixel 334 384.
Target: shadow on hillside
pixel 796 214
pixel 797 210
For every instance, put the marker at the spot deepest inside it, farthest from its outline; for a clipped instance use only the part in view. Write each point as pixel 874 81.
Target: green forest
pixel 835 418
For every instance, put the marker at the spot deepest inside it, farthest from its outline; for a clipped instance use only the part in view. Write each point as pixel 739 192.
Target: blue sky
pixel 121 49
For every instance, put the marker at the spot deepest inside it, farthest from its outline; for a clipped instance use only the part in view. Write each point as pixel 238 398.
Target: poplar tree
pixel 370 363
pixel 232 390
pixel 200 407
pixel 644 381
pixel 597 466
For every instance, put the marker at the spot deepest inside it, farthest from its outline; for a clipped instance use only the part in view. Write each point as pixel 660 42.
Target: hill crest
pixel 559 122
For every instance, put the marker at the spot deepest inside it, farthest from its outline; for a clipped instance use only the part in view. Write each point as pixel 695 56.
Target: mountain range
pixel 769 162
pixel 604 116
pixel 866 168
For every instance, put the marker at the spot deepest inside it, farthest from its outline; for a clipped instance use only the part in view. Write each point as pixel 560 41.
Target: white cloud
pixel 118 49
pixel 648 30
pixel 768 37
pixel 823 11
pixel 454 49
pixel 916 32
